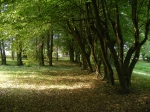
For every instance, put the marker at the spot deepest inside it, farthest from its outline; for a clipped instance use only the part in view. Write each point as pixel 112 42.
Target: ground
pixel 64 88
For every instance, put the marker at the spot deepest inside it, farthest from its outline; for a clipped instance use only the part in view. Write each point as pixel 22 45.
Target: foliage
pixel 119 25
pixel 146 51
pixel 64 41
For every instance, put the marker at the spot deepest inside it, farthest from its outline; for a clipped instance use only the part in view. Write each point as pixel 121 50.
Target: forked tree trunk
pixel 99 31
pixel 78 38
pixel 92 42
pixel 95 54
pixel 124 65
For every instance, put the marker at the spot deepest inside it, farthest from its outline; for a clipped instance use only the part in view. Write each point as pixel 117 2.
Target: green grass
pixel 64 87
pixel 40 89
pixel 141 82
pixel 142 66
pixel 141 76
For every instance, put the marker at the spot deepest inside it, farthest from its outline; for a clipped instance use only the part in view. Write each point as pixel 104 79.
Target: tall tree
pixel 124 64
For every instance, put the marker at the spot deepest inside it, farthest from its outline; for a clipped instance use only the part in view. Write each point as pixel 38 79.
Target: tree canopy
pixel 108 31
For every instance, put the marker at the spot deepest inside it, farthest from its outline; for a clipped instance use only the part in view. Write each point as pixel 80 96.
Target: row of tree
pixel 108 31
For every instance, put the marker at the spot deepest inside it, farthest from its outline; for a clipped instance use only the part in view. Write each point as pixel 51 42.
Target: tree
pixel 40 48
pixel 124 64
pixel 50 46
pixel 99 27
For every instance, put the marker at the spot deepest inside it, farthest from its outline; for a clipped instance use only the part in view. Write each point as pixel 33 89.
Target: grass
pixel 64 87
pixel 141 76
pixel 142 66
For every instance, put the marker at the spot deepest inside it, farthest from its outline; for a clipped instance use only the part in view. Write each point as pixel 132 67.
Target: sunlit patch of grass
pixel 142 66
pixel 35 82
pixel 40 78
pixel 141 76
pixel 64 87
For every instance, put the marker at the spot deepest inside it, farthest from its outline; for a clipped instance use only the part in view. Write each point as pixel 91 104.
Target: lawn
pixel 143 66
pixel 64 87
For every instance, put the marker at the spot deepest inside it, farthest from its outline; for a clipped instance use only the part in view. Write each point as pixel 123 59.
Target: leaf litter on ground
pixel 69 89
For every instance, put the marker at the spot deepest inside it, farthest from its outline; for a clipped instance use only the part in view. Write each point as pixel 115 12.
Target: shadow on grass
pixel 67 100
pixel 63 88
pixel 58 66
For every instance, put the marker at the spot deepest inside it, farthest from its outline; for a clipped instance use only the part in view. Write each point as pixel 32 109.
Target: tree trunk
pixel 12 50
pixel 50 47
pixel 83 64
pixel 101 27
pixel 105 73
pixel 77 58
pixel 101 34
pixel 57 56
pixel 79 39
pixel 2 50
pixel 104 56
pixel 71 53
pixel 40 53
pixel 92 42
pixel 19 54
pixel 12 55
pixel 19 58
pixel 95 54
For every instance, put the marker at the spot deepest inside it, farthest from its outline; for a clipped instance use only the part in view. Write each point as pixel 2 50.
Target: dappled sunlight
pixel 58 89
pixel 18 72
pixel 43 87
pixel 142 73
pixel 36 82
pixel 60 77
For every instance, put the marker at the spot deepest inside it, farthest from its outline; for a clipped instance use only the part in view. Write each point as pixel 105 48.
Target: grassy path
pixel 64 88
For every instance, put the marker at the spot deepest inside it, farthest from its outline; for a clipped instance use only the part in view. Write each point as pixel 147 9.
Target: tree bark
pixel 2 50
pixel 57 56
pixel 125 66
pixel 12 55
pixel 40 52
pixel 71 53
pixel 12 50
pixel 77 57
pixel 78 38
pixel 50 47
pixel 102 32
pixel 19 58
pixel 92 42
pixel 19 54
